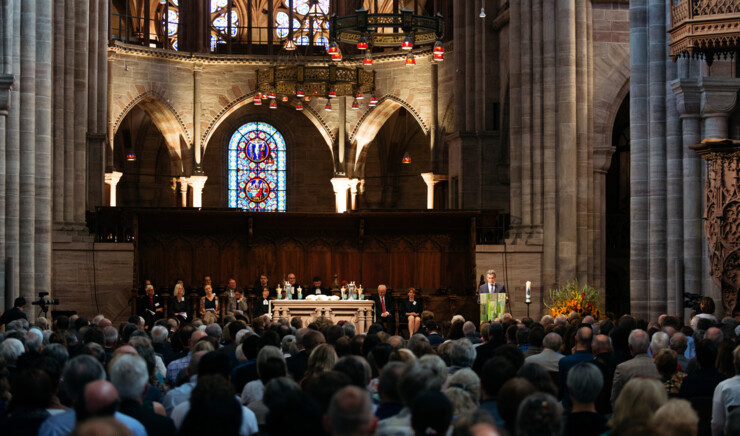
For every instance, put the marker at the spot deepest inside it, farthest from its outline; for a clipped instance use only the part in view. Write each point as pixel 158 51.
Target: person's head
pixel 659 341
pixel 130 377
pixel 159 334
pixel 80 371
pixel 99 398
pixel 601 344
pixel 238 294
pixel 584 335
pixel 494 374
pixel 463 390
pixel 149 290
pixel 638 341
pixel 264 280
pixel 317 281
pixel 351 413
pixel 412 293
pixel 291 279
pixel 414 380
pixel 715 335
pixel 584 383
pixel 666 361
pixel 706 353
pixel 208 290
pixel 311 339
pixel 356 368
pixel 462 353
pixel 431 413
pixel 491 276
pixel 552 341
pixel 676 417
pixel 679 343
pixel 382 289
pixel 179 290
pixel 388 382
pixel 213 408
pixel 468 328
pixel 511 395
pixel 539 377
pixel 265 292
pixel 475 423
pixel 638 400
pixel 323 357
pixel 232 284
pixel 706 305
pixel 539 415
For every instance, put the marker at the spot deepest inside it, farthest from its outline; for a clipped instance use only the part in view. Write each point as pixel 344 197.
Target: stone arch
pixel 235 104
pixel 371 122
pixel 608 99
pixel 168 122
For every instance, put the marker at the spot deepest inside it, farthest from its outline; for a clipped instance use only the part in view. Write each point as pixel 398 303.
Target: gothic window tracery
pixel 256 162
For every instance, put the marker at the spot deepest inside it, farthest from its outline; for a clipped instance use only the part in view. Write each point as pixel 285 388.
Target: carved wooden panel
pixel 430 251
pixel 722 224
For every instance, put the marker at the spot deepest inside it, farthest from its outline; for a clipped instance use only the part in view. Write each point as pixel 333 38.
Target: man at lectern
pixel 491 287
pixel 384 308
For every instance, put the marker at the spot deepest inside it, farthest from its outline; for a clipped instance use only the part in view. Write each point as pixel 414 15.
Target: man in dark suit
pixel 149 307
pixel 384 310
pixel 317 288
pixel 15 313
pixel 491 287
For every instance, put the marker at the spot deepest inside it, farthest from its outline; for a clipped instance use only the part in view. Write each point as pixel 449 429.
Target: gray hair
pixel 350 411
pixel 11 349
pixel 660 340
pixel 57 352
pixel 415 379
pixel 468 328
pixel 491 272
pixel 561 319
pixel 214 330
pixel 159 334
pixel 96 319
pixel 288 344
pixel 268 352
pixel 585 382
pixel 80 371
pixel 546 320
pixel 462 353
pixel 111 334
pixel 349 329
pixel 552 341
pixel 34 339
pixel 416 339
pixel 639 341
pixel 130 376
pixel 468 381
pixel 437 371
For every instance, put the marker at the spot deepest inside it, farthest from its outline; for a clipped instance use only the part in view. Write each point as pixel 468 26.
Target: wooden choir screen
pixel 433 251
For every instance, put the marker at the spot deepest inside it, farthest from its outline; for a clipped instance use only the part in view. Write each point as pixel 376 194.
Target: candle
pixel 528 297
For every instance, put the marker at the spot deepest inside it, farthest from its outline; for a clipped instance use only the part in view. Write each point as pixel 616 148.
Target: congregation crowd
pixel 568 375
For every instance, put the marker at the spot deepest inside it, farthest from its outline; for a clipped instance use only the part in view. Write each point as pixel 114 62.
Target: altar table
pixel 358 312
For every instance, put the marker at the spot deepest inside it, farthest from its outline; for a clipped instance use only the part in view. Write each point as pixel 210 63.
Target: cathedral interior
pixel 403 142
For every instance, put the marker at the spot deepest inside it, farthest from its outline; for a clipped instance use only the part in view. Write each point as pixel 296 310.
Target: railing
pixel 136 30
pixel 704 27
pixel 492 231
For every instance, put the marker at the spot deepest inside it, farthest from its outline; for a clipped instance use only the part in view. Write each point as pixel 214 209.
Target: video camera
pixel 44 303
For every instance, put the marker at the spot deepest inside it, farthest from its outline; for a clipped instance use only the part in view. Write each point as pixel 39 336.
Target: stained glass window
pixel 257 168
pixel 220 22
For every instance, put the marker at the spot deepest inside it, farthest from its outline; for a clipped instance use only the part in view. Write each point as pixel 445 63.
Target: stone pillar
pixel 535 236
pixel 434 120
pixel 353 184
pixel 69 110
pixel 602 161
pixel 432 179
pixel 81 50
pixel 639 168
pixel 549 146
pixel 340 185
pixel 198 168
pixel 110 121
pixel 59 102
pixel 12 64
pixel 6 81
pixel 718 99
pixel 112 179
pixel 183 192
pixel 196 184
pixel 515 123
pixel 44 158
pixel 688 98
pixel 458 32
pixel 525 97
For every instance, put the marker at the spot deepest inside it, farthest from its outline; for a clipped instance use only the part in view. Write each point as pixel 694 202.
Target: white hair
pixel 34 339
pixel 11 349
pixel 129 375
pixel 457 318
pixel 660 340
pixel 96 320
pixel 159 334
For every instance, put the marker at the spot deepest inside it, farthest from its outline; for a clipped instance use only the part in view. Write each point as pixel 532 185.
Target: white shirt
pixel 726 395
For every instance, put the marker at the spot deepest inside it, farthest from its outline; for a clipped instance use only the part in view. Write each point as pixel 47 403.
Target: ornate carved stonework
pixel 722 217
pixel 704 27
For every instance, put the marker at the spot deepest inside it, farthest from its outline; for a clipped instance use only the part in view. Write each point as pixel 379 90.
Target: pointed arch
pixel 371 122
pixel 237 103
pixel 168 122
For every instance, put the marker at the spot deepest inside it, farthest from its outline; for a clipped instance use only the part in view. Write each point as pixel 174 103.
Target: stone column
pixel 353 184
pixel 110 121
pixel 69 110
pixel 639 169
pixel 198 168
pixel 12 64
pixel 197 183
pixel 688 97
pixel 340 185
pixel 81 50
pixel 43 175
pixel 515 117
pixel 602 161
pixel 583 176
pixel 112 179
pixel 567 141
pixel 674 197
pixel 432 179
pixel 458 32
pixel 549 146
pixel 537 122
pixel 718 99
pixel 59 102
pixel 6 81
pixel 183 192
pixel 525 55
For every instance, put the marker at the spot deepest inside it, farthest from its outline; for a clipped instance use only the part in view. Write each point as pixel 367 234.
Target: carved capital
pixel 688 97
pixel 197 182
pixel 718 95
pixel 602 159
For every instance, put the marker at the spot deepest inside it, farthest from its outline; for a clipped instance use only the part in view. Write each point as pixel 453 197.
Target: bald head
pixel 125 349
pixel 601 344
pixel 715 335
pixel 100 397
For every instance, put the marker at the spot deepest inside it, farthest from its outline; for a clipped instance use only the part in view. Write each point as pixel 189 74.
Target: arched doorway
pixel 617 284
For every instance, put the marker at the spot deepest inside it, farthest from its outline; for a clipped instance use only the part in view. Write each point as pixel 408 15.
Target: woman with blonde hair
pixel 322 359
pixel 179 306
pixel 209 306
pixel 637 402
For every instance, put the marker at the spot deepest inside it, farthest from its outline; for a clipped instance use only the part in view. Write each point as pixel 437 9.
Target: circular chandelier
pixel 366 30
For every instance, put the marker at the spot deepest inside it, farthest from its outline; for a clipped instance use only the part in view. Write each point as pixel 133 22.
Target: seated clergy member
pixel 317 288
pixel 262 304
pixel 149 307
pixel 237 304
pixel 384 309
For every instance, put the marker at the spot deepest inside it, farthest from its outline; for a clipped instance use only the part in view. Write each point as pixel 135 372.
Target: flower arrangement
pixel 572 298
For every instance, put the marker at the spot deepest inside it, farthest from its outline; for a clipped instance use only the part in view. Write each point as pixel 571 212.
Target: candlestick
pixel 528 297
